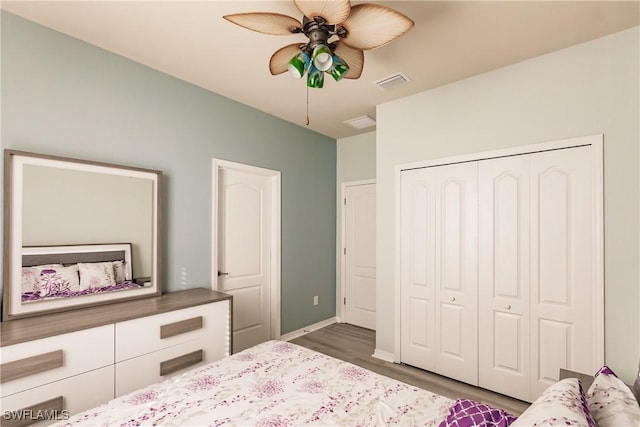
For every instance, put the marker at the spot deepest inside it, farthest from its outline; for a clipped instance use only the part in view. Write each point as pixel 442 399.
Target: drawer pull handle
pixel 181 327
pixel 31 365
pixel 172 365
pixel 48 410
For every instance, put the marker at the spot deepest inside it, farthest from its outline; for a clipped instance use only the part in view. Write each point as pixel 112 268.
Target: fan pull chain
pixel 307 105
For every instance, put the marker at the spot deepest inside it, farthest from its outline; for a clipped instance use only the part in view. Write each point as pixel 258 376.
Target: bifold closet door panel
pixel 562 263
pixel 456 201
pixel 439 270
pixel 503 274
pixel 417 268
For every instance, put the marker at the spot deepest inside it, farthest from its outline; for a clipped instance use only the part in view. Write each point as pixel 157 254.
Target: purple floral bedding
pixel 57 281
pixel 279 384
pixel 273 384
pixel 62 291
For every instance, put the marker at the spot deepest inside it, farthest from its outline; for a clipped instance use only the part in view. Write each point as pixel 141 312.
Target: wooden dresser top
pixel 47 325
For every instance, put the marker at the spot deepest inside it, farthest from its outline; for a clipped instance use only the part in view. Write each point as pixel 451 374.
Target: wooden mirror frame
pixel 12 305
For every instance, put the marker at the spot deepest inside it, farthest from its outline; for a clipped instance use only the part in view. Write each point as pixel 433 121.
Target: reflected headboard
pixel 73 254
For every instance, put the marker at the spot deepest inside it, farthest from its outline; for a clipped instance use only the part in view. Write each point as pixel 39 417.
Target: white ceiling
pixel 451 40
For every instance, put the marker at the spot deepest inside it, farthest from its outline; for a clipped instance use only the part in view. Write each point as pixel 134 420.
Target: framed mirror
pixel 77 233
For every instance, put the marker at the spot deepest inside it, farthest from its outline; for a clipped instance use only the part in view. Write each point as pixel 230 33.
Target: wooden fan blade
pixel 333 11
pixel 372 25
pixel 354 59
pixel 266 23
pixel 280 59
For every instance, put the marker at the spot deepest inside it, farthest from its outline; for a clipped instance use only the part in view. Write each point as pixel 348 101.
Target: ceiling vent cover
pixel 361 122
pixel 392 81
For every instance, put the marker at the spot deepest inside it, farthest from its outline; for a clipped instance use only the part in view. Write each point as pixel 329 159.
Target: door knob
pixel 453 299
pixel 508 306
pixel 220 273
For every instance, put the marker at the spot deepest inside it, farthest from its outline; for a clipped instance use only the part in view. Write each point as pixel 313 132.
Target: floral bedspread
pixel 64 292
pixel 273 384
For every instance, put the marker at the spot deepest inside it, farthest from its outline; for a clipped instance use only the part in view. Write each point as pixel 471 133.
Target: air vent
pixel 361 122
pixel 392 81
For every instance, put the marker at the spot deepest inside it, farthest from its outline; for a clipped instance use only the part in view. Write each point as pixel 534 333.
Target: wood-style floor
pixel 356 345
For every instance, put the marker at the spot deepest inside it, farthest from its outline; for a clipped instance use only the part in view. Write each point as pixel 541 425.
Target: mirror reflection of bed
pixel 50 272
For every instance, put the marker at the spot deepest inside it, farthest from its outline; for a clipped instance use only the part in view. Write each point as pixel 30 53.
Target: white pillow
pixel 31 276
pixel 120 271
pixel 611 402
pixel 561 404
pixel 96 275
pixel 59 281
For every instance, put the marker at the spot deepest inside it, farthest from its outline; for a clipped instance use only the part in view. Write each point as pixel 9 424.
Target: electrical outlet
pixel 315 300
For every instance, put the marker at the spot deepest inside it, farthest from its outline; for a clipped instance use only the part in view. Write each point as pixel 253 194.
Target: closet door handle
pixel 220 273
pixel 453 299
pixel 508 306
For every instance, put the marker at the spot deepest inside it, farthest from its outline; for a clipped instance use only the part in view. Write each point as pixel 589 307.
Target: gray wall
pixel 591 88
pixel 64 97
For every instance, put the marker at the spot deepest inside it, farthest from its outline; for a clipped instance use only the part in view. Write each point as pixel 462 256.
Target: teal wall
pixel 65 97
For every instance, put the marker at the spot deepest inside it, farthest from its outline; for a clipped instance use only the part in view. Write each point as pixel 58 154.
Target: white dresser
pixel 60 364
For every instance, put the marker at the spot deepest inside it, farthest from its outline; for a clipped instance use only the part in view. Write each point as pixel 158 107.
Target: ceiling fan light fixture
pixel 299 64
pixel 339 68
pixel 315 78
pixel 322 57
pixel 337 33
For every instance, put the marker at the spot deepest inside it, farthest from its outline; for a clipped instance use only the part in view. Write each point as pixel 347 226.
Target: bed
pixel 54 272
pixel 282 384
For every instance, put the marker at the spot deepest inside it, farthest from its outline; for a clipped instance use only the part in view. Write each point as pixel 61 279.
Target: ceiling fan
pixel 337 36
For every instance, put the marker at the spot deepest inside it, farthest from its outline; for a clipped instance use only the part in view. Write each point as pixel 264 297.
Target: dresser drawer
pixel 148 334
pixel 33 363
pixel 139 372
pixel 69 396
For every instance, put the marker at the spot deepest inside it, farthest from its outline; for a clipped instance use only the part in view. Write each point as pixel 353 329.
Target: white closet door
pixel 417 269
pixel 439 270
pixel 503 273
pixel 457 271
pixel 562 257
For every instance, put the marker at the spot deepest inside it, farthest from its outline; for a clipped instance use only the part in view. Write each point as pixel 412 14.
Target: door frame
pixel 340 306
pixel 219 164
pixel 597 157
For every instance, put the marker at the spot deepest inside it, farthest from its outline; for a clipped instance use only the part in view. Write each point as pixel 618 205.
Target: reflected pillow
pixel 96 275
pixel 59 281
pixel 31 277
pixel 120 271
pixel 611 402
pixel 561 404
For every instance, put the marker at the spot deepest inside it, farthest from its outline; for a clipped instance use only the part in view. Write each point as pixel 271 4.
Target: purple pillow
pixel 467 413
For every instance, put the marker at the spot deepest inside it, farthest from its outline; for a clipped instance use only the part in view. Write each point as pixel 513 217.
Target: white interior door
pixel 244 252
pixel 360 255
pixel 503 270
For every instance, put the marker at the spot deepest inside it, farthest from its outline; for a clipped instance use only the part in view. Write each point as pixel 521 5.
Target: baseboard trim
pixel 300 332
pixel 383 355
